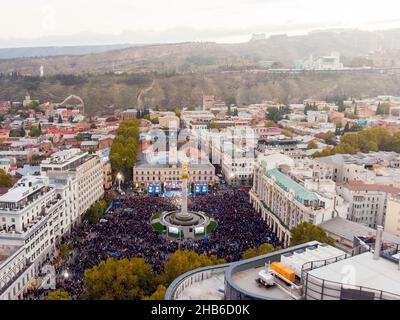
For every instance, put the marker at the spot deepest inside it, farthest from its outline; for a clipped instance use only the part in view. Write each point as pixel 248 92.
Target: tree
pixel 125 279
pixel 287 133
pixel 312 145
pixel 328 137
pixel 274 114
pixel 178 112
pixel 184 261
pixel 231 101
pixel 96 211
pixel 259 251
pixel 214 125
pixel 64 250
pixel 35 132
pixel 306 232
pixel 79 137
pixel 340 104
pixel 383 109
pixel 159 294
pixel 270 124
pixel 17 133
pixel 123 153
pixel 191 107
pixel 6 180
pixel 309 107
pixel 58 295
pixel 34 105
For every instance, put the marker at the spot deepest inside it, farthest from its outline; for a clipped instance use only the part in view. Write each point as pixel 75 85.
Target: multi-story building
pixel 168 175
pixel 314 117
pixel 30 215
pixel 392 219
pixel 367 202
pixel 86 171
pixel 39 210
pixel 237 165
pixel 286 193
pixel 32 221
pixel 208 102
pixel 169 122
pixel 16 272
pixel 284 146
pixel 205 117
pixel 331 62
pixel 374 167
pixel 129 114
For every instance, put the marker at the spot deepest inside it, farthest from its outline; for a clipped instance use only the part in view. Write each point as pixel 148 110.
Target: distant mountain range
pixel 179 74
pixel 195 57
pixel 29 52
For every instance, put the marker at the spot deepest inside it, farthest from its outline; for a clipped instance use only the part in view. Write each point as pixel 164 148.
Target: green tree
pixel 6 180
pixel 312 145
pixel 306 232
pixel 178 112
pixel 158 295
pixel 214 125
pixel 64 250
pixel 58 295
pixel 231 101
pixel 35 132
pixel 259 251
pixel 123 153
pixel 270 124
pixel 184 261
pixel 383 109
pixel 340 104
pixel 310 107
pixel 125 279
pixel 274 114
pixel 96 211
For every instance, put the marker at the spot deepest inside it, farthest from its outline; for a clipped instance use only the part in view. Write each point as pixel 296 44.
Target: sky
pixel 73 22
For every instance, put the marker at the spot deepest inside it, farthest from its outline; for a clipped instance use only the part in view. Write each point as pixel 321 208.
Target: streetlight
pixel 119 178
pixel 65 274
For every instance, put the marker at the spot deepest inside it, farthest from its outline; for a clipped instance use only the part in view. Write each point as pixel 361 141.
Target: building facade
pixel 285 198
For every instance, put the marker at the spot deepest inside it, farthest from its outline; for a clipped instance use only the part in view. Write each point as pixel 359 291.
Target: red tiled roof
pixel 60 131
pixel 360 186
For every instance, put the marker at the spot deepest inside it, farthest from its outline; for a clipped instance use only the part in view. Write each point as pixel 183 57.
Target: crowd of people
pixel 126 232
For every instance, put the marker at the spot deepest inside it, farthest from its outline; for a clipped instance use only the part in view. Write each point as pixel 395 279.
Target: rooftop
pixel 209 289
pixel 25 187
pixel 287 184
pixel 246 280
pixel 361 186
pixel 348 229
pixel 380 274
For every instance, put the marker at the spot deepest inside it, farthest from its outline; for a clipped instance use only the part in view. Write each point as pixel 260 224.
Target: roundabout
pixel 197 227
pixel 183 223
